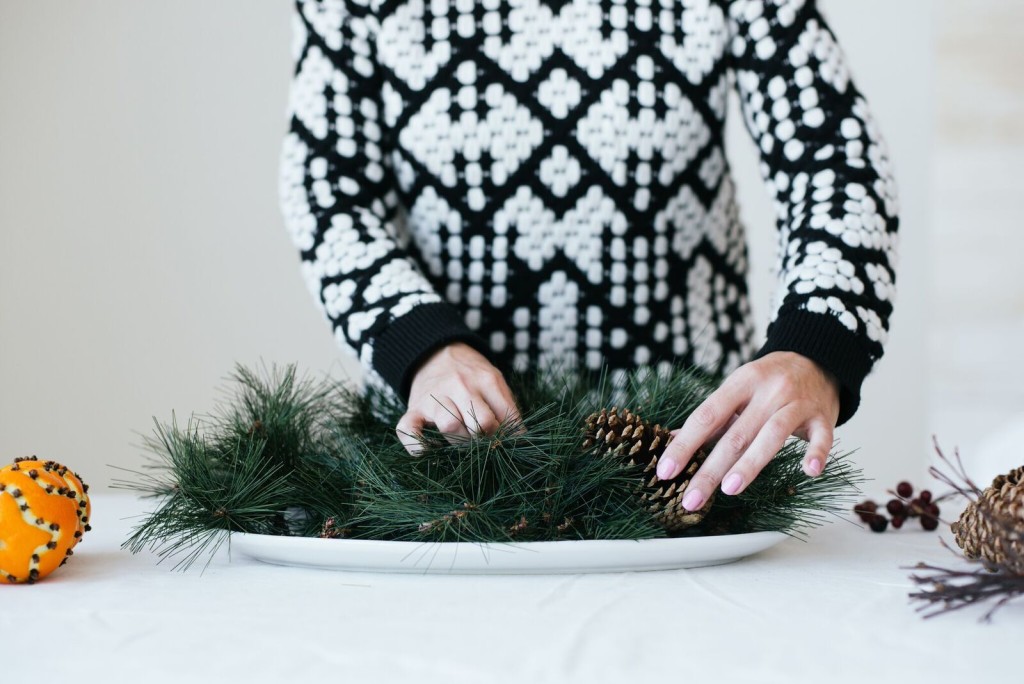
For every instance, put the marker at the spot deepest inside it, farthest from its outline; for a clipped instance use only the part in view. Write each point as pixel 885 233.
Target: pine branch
pixel 264 452
pixel 284 455
pixel 215 491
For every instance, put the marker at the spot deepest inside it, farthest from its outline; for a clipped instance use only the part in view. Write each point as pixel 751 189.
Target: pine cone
pixel 625 435
pixel 992 528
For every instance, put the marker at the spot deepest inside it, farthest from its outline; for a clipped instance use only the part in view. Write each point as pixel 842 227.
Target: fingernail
pixel 732 484
pixel 814 467
pixel 665 468
pixel 693 500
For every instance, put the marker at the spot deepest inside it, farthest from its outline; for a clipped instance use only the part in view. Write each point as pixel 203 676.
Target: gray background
pixel 143 254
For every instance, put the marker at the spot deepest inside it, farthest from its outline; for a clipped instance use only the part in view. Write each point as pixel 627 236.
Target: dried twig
pixel 1000 581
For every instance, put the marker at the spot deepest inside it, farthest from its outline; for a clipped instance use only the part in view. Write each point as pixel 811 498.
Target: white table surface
pixel 834 609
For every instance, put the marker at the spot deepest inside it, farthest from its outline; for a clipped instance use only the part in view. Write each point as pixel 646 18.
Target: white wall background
pixel 976 380
pixel 142 253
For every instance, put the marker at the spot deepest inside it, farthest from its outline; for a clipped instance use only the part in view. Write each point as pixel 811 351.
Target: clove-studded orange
pixel 44 512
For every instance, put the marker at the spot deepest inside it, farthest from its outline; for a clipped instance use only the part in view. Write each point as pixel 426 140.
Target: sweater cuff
pixel 831 345
pixel 410 339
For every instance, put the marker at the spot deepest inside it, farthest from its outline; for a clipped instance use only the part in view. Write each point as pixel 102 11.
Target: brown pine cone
pixel 619 433
pixel 992 528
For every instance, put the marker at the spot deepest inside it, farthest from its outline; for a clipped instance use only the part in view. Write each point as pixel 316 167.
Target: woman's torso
pixel 562 174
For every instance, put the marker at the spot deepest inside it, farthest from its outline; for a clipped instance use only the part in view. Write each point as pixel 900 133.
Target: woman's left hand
pixel 755 411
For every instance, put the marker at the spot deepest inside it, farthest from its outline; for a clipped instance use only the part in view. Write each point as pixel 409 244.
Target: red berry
pixel 929 523
pixel 895 507
pixel 925 496
pixel 879 523
pixel 897 521
pixel 931 510
pixel 904 489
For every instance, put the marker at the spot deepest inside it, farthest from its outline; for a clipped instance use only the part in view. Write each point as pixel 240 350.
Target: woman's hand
pixel 458 391
pixel 754 411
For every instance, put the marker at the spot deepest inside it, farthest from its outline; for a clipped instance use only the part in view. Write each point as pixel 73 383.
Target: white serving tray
pixel 471 558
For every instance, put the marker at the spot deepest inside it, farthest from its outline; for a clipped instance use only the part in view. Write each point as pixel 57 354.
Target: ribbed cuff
pixel 410 339
pixel 828 342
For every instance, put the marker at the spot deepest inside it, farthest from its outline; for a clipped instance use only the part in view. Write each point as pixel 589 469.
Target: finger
pixel 820 432
pixel 501 401
pixel 723 456
pixel 706 420
pixel 448 419
pixel 480 418
pixel 410 431
pixel 763 449
pixel 717 435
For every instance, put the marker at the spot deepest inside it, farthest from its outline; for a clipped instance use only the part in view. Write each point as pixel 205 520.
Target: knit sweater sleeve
pixel 340 205
pixel 828 171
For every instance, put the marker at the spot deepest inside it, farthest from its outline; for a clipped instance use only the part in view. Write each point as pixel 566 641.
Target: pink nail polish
pixel 814 467
pixel 693 500
pixel 732 484
pixel 665 468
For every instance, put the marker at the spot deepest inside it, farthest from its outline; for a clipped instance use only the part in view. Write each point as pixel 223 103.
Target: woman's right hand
pixel 458 391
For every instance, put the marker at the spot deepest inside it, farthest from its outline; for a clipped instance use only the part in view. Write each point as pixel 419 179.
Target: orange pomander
pixel 44 511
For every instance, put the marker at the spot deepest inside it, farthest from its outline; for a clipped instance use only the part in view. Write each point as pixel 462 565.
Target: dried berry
pixel 865 509
pixel 895 507
pixel 900 509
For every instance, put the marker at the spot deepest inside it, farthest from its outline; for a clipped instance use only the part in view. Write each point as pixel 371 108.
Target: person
pixel 478 187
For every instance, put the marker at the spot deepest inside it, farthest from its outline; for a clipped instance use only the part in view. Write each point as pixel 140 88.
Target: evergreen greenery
pixel 289 456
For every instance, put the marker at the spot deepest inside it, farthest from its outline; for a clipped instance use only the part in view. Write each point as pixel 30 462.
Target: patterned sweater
pixel 546 181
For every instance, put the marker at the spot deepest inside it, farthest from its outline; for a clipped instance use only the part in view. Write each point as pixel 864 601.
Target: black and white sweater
pixel 545 180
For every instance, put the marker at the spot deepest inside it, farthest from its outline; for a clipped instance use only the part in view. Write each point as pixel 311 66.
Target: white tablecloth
pixel 834 609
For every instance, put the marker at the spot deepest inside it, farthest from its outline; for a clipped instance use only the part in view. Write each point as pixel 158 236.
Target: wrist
pixel 444 355
pixel 403 346
pixel 826 341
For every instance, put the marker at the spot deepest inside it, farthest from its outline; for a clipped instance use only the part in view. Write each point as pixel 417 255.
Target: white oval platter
pixel 472 558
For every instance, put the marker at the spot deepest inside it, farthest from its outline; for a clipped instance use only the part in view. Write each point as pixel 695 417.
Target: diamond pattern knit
pixel 545 180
